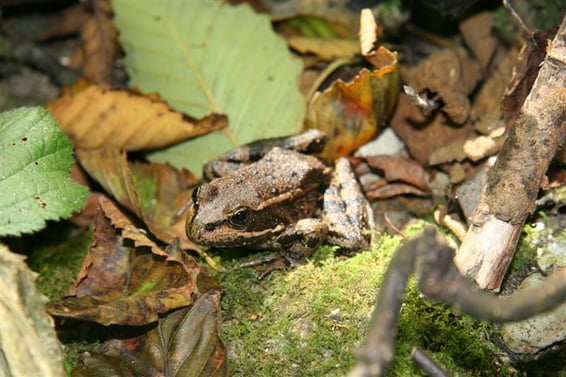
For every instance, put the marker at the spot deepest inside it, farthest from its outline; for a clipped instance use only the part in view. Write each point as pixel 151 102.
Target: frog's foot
pixel 346 210
pixel 278 261
pixel 299 241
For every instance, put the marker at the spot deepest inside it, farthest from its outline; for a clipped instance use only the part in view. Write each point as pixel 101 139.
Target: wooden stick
pixel 515 179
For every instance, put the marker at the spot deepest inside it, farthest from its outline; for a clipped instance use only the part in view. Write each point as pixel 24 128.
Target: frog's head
pixel 221 217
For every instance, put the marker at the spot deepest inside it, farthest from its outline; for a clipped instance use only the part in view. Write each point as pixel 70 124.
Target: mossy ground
pixel 309 321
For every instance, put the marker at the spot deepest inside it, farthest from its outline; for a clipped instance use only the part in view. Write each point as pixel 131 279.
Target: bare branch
pixel 515 179
pixel 439 280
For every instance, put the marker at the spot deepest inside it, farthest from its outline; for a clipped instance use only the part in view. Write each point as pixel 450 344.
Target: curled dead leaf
pixel 352 111
pixel 368 32
pixel 185 342
pixel 126 278
pixel 109 167
pixel 153 192
pixel 451 76
pixel 94 117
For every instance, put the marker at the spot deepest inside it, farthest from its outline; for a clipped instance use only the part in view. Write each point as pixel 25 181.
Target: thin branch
pixel 439 280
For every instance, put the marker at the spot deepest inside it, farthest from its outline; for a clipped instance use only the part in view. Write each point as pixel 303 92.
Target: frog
pixel 281 198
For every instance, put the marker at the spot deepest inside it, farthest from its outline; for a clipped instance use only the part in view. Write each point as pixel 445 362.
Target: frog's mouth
pixel 223 235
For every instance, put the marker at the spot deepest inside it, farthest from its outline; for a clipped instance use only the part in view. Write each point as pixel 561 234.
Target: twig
pixel 518 20
pixel 519 172
pixel 439 280
pixel 426 363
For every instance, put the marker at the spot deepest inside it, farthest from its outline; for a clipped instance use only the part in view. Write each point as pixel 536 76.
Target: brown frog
pixel 286 200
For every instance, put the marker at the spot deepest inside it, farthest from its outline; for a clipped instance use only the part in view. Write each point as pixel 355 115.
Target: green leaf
pixel 205 56
pixel 35 162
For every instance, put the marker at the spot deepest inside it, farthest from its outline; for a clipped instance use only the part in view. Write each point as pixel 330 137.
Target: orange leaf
pixel 351 112
pixel 95 117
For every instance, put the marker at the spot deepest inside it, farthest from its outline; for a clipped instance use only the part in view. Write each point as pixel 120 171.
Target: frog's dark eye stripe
pixel 195 195
pixel 240 218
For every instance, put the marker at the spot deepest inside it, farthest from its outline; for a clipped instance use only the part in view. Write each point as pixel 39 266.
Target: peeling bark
pixel 515 179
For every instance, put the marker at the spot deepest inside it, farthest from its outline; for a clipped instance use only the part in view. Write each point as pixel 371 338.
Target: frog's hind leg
pixel 346 210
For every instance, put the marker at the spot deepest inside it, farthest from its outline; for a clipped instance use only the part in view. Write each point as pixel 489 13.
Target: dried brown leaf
pixel 399 168
pixel 185 342
pixel 126 278
pixel 109 167
pixel 95 118
pixel 450 75
pixel 477 32
pixel 171 192
pixel 425 137
pixel 99 43
pixel 392 190
pixel 155 193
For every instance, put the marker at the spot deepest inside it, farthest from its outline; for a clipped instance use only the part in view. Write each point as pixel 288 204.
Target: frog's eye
pixel 240 218
pixel 195 195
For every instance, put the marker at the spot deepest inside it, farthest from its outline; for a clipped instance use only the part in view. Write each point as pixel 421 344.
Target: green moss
pixel 457 342
pixel 308 321
pixel 59 263
pixel 526 250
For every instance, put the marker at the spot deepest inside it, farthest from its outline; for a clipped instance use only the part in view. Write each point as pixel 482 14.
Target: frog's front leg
pixel 346 210
pixel 300 240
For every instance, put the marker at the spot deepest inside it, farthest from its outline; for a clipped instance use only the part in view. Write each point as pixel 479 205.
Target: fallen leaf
pixel 451 76
pixel 29 342
pixel 330 10
pixel 477 32
pixel 253 81
pixel 185 342
pixel 427 138
pixel 350 113
pixel 95 118
pixel 392 190
pixel 168 190
pixel 325 48
pixel 400 168
pixel 155 193
pixel 126 278
pixel 99 43
pixel 482 146
pixel 486 114
pixel 109 167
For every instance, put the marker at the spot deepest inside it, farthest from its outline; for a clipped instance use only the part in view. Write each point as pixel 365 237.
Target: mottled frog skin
pixel 286 200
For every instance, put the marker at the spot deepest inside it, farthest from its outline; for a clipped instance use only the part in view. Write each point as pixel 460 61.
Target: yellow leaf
pixel 95 117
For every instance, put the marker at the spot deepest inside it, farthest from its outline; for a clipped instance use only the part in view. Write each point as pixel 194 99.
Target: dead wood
pixel 515 179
